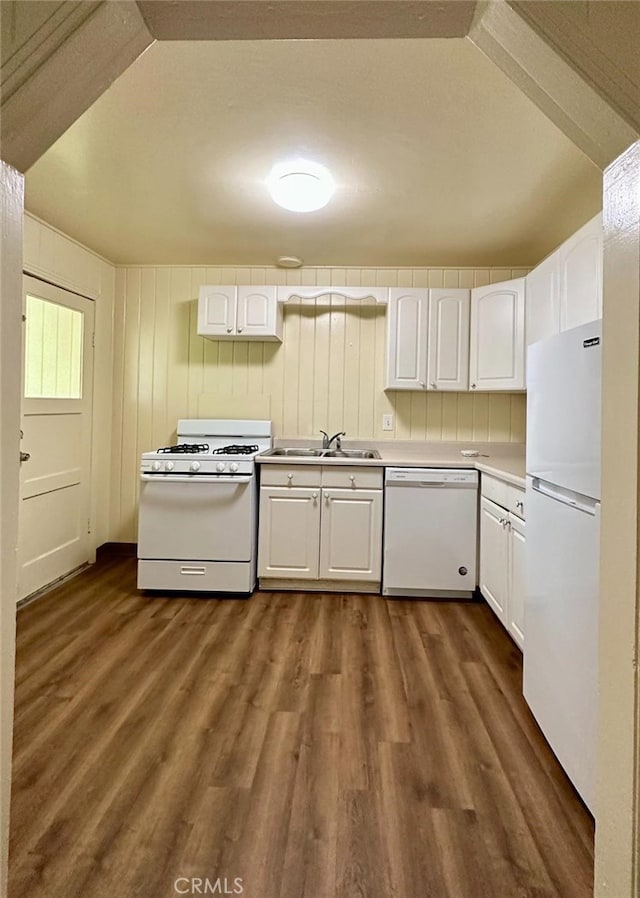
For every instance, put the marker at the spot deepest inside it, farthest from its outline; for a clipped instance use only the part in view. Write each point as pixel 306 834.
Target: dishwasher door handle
pixel 432 484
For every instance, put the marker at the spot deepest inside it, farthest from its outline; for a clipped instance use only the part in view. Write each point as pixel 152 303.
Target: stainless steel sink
pixel 302 453
pixel 323 453
pixel 351 453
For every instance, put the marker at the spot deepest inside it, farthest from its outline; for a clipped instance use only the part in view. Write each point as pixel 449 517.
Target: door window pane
pixel 53 351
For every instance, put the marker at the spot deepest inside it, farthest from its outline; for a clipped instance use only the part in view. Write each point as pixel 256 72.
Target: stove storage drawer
pixel 190 576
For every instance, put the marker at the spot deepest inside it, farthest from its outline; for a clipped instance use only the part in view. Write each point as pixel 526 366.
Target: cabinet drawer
pixel 290 475
pixel 496 490
pixel 352 477
pixel 507 495
pixel 515 500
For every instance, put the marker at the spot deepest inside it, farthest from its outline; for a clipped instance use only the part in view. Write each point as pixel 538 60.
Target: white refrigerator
pixel 563 546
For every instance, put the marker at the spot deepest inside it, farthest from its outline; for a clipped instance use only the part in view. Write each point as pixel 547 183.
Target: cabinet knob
pixel 314 495
pixel 519 504
pixel 289 477
pixel 240 329
pixel 352 477
pixel 473 386
pixel 433 385
pixel 327 497
pixel 229 329
pixel 423 385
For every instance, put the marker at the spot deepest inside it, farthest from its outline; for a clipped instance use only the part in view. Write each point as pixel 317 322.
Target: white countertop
pixel 503 460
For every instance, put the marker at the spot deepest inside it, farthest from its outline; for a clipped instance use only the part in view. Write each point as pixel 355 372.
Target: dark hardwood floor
pixel 312 746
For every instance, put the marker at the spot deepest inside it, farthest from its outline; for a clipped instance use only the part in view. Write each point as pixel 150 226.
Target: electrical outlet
pixel 387 422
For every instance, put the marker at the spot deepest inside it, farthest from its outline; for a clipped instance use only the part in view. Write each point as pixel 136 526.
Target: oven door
pixel 197 518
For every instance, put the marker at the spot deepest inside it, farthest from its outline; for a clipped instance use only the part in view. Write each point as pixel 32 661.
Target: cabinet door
pixel 543 300
pixel 289 533
pixel 448 340
pixel 259 316
pixel 217 308
pixel 515 606
pixel 407 316
pixel 581 276
pixel 497 337
pixel 351 535
pixel 494 557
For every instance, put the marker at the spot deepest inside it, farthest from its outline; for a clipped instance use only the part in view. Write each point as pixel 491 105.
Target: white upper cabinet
pixel 565 290
pixel 259 313
pixel 543 300
pixel 448 340
pixel 407 322
pixel 217 307
pixel 497 350
pixel 580 263
pixel 239 313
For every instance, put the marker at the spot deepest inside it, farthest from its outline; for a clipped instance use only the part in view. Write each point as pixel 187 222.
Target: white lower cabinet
pixel 350 534
pixel 289 532
pixel 493 557
pixel 515 604
pixel 329 529
pixel 502 546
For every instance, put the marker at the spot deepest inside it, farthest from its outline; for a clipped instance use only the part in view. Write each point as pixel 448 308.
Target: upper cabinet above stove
pixel 239 313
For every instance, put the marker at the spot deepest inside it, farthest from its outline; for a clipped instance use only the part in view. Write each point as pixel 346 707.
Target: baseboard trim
pixel 39 593
pixel 108 550
pixel 282 585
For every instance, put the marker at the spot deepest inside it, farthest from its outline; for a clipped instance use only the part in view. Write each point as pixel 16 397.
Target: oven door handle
pixel 196 478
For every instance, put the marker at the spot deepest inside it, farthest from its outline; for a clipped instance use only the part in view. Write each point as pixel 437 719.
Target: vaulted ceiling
pixel 438 156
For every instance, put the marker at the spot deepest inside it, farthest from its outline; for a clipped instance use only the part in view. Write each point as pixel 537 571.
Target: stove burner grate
pixel 186 448
pixel 236 450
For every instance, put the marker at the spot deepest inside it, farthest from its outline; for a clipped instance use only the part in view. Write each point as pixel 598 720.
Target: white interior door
pixel 57 392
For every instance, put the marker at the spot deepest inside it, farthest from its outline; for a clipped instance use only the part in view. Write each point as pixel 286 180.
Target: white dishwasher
pixel 430 532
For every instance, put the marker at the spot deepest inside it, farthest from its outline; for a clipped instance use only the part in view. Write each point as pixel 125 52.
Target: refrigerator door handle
pixel 566 497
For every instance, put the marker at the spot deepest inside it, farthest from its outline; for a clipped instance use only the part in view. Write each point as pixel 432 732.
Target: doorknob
pixel 25 456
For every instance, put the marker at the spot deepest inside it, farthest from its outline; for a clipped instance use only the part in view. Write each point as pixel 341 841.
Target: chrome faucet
pixel 327 440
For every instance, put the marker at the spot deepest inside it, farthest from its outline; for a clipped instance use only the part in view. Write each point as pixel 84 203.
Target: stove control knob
pixel 233 468
pixel 168 466
pixel 195 466
pixel 155 466
pixel 220 466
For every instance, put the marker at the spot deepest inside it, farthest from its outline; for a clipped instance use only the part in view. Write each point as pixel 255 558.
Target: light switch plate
pixel 387 422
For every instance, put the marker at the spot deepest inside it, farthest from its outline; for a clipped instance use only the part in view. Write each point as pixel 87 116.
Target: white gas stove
pixel 197 525
pixel 210 446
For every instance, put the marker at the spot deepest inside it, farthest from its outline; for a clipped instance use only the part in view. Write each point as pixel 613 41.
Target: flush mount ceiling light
pixel 300 186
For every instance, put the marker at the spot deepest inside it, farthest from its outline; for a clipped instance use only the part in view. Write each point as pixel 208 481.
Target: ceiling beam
pixel 556 86
pixel 64 74
pixel 600 40
pixel 305 19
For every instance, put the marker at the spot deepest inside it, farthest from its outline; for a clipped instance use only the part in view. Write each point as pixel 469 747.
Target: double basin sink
pixel 323 453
